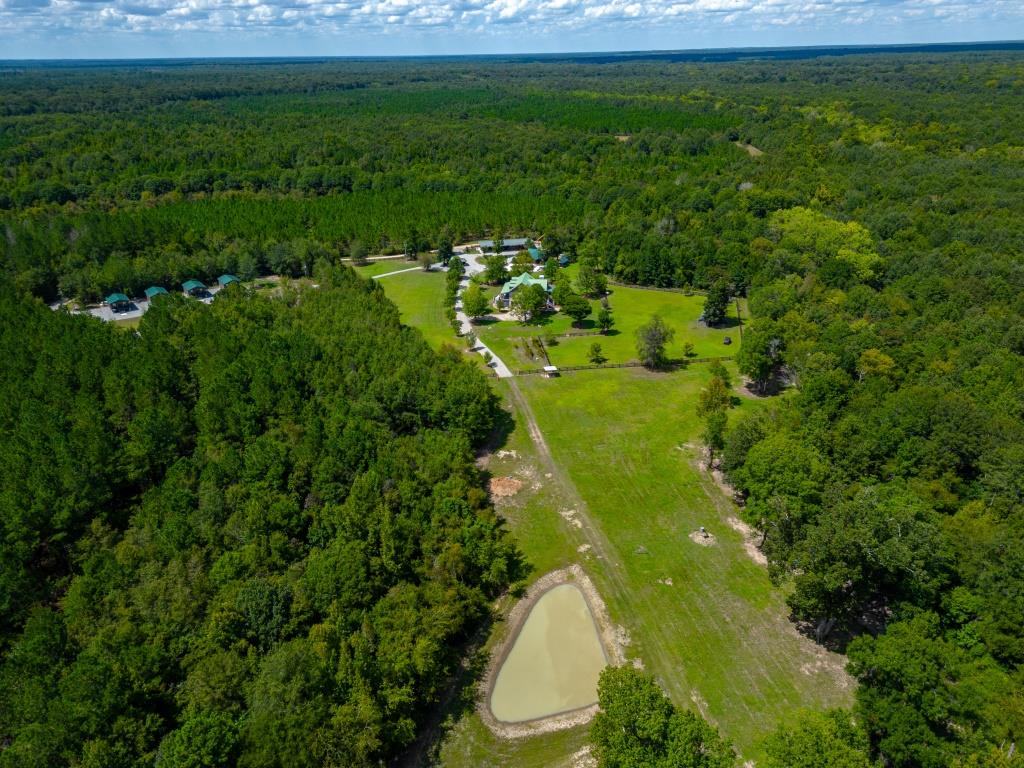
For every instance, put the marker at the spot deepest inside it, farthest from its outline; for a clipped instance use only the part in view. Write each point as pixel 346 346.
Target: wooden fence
pixel 672 365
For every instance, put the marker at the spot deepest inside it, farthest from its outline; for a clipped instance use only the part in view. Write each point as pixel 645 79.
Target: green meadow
pixel 705 620
pixel 631 308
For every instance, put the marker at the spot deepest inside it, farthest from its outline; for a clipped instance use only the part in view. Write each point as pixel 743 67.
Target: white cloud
pixel 522 25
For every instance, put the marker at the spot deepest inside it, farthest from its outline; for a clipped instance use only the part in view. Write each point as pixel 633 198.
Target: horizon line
pixel 918 46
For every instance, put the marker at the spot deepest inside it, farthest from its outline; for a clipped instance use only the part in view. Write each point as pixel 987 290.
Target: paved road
pixel 472 268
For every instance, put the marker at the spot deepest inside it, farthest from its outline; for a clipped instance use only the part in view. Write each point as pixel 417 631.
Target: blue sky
pixel 154 28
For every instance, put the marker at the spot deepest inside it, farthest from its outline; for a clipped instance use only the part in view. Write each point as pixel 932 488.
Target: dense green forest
pixel 251 534
pixel 304 467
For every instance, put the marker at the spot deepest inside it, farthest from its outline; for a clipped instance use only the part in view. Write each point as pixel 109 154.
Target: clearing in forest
pixel 610 481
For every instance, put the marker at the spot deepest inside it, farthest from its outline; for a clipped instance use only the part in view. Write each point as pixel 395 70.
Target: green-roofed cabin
pixel 193 287
pixel 563 260
pixel 153 291
pixel 504 298
pixel 536 254
pixel 118 302
pixel 225 280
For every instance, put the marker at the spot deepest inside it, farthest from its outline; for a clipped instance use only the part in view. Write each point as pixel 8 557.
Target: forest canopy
pixel 270 506
pixel 253 533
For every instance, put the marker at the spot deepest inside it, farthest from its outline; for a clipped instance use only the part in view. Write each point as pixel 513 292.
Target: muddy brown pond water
pixel 554 662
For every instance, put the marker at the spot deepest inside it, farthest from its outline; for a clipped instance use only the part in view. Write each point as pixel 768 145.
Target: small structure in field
pixel 118 302
pixel 550 371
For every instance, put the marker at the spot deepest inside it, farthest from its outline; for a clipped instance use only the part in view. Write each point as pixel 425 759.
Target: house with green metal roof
pixel 118 302
pixel 225 280
pixel 536 254
pixel 193 287
pixel 504 298
pixel 155 290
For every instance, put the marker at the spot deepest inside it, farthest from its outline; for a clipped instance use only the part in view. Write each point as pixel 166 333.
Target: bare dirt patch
pixel 750 149
pixel 504 487
pixel 623 136
pixel 569 515
pixel 705 539
pixel 583 759
pixel 749 539
pixel 609 634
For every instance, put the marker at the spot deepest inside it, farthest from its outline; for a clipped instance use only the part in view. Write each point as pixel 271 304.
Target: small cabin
pixel 193 288
pixel 153 291
pixel 550 371
pixel 225 280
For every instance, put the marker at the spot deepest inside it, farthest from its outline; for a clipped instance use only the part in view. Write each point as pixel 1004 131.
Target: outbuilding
pixel 193 288
pixel 118 302
pixel 225 280
pixel 509 244
pixel 153 291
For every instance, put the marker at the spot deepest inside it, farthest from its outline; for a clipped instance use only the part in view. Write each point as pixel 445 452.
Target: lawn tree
pixel 588 281
pixel 576 307
pixel 637 726
pixel 474 302
pixel 562 290
pixel 713 434
pixel 717 303
pixel 809 739
pixel 444 249
pixel 713 406
pixel 595 355
pixel 714 397
pixel 651 340
pixel 528 301
pixel 551 269
pixel 495 270
pixel 716 368
pixel 522 263
pixel 426 260
pixel 605 319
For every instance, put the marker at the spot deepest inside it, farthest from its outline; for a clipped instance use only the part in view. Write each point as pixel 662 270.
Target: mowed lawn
pixel 419 297
pixel 384 266
pixel 631 308
pixel 706 621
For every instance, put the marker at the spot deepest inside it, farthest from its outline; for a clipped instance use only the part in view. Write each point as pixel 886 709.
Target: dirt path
pixel 399 272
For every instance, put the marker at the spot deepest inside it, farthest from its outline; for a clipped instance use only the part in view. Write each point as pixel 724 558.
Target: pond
pixel 554 662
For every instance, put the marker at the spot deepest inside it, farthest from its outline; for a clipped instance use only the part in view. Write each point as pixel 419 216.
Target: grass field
pixel 419 297
pixel 706 621
pixel 614 486
pixel 384 266
pixel 631 307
